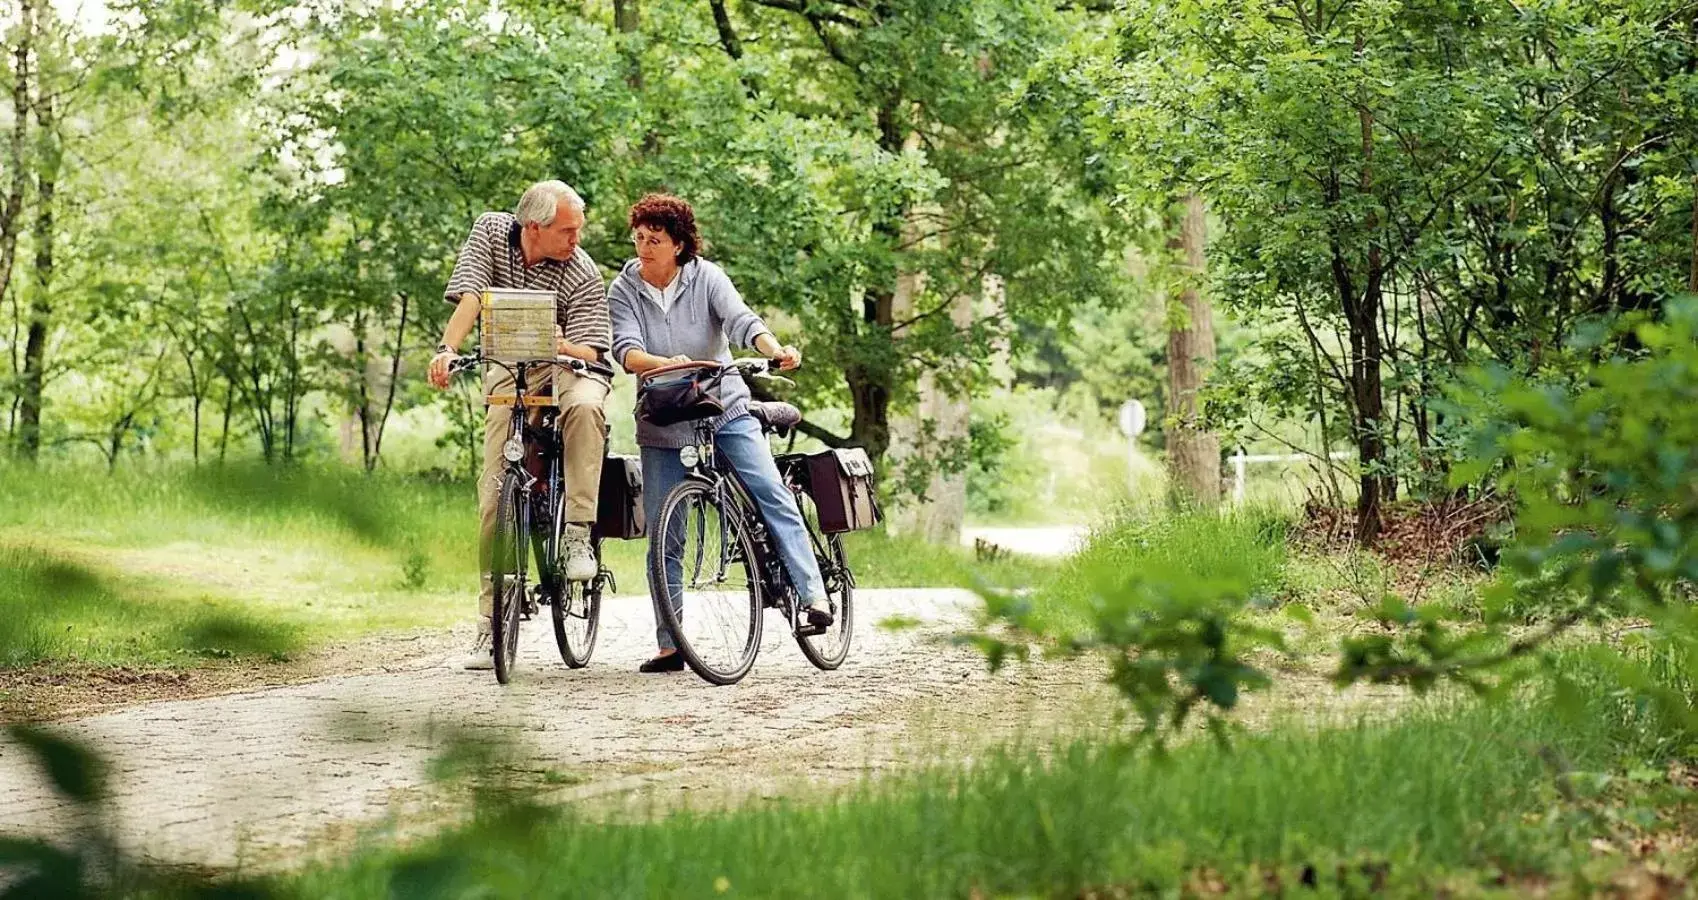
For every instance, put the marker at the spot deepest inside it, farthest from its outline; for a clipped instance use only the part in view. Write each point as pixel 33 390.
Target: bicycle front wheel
pixel 507 573
pixel 703 582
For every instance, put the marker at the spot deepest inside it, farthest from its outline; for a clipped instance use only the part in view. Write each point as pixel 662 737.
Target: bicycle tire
pixel 577 645
pixel 678 504
pixel 508 550
pixel 827 651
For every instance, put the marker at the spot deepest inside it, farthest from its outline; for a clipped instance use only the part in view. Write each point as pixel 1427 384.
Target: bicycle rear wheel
pixel 705 590
pixel 577 620
pixel 827 650
pixel 508 553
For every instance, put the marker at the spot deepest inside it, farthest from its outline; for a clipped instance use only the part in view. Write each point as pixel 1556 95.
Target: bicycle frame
pixel 515 451
pixel 729 491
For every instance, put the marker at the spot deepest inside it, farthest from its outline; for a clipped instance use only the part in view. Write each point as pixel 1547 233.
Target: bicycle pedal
pixel 811 630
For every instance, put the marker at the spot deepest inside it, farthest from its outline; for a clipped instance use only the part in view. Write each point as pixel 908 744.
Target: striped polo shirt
pixel 491 258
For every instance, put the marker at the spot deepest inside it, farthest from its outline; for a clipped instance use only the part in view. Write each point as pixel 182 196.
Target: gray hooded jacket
pixel 706 319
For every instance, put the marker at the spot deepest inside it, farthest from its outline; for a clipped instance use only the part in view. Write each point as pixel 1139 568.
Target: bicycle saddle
pixel 775 415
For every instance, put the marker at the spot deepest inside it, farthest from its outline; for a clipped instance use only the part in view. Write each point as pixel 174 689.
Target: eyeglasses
pixel 653 241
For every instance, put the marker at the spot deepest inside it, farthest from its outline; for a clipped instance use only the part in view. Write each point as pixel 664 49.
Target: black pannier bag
pixel 841 483
pixel 619 507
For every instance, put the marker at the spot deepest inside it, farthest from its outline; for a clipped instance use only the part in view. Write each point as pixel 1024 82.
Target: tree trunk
pixel 1368 392
pixel 625 20
pixel 41 298
pixel 11 209
pixel 362 379
pixel 870 384
pixel 197 398
pixel 292 388
pixel 195 405
pixel 869 392
pixel 938 424
pixel 394 378
pixel 1193 452
pixel 1692 279
pixel 115 440
pixel 1362 317
pixel 941 518
pixel 224 429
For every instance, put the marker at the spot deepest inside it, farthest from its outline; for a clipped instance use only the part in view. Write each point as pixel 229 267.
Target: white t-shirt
pixel 663 297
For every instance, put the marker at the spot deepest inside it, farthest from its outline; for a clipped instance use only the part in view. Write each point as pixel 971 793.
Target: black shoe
pixel 671 662
pixel 819 615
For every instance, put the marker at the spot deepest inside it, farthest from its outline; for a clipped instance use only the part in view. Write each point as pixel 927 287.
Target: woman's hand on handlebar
pixel 788 358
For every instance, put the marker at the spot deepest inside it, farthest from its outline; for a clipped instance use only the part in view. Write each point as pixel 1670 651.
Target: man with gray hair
pixel 535 247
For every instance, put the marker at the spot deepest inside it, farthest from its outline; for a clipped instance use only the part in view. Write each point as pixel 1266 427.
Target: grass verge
pixel 1460 793
pixel 61 608
pixel 175 565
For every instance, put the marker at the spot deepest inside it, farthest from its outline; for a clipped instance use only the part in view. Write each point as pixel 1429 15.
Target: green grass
pixel 1247 543
pixel 176 565
pixel 1446 788
pixel 57 608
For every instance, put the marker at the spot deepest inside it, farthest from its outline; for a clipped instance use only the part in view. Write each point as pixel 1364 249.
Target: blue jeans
pixel 741 443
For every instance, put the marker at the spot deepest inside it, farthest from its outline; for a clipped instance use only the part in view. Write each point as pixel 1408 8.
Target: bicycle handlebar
pixel 747 367
pixel 468 363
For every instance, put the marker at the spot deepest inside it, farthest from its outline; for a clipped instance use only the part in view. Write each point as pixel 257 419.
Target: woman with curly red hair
pixel 670 305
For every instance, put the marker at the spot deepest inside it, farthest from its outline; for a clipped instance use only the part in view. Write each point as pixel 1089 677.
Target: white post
pixel 1131 424
pixel 1131 464
pixel 1239 463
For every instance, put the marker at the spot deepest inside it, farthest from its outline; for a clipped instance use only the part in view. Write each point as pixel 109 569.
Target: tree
pixel 21 59
pixel 1409 189
pixel 949 173
pixel 1193 452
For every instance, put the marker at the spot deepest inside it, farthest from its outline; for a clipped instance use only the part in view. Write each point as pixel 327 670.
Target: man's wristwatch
pixel 443 348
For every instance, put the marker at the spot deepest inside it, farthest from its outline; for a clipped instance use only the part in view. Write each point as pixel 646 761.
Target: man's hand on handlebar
pixel 439 368
pixel 444 366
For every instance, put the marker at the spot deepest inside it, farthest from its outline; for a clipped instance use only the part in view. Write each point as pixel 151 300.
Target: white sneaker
pixel 482 655
pixel 580 557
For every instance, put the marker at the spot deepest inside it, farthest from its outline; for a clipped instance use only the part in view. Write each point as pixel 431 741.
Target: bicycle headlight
pixel 512 451
pixel 689 456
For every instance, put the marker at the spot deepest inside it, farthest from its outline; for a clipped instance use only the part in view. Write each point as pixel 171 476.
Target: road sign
pixel 1131 418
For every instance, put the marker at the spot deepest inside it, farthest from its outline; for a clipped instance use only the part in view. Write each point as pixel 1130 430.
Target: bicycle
pixel 538 514
pixel 734 573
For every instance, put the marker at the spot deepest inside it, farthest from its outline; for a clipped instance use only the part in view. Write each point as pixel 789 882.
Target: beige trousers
pixel 583 432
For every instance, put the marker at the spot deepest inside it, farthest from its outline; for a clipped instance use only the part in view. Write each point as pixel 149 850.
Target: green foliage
pixel 1162 598
pixel 1603 472
pixel 295 181
pixel 1406 190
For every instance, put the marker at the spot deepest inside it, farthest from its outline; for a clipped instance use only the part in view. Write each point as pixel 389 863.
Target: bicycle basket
pixel 681 397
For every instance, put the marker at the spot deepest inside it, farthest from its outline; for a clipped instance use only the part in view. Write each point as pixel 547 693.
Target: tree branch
pixel 727 36
pixel 832 48
pixel 812 12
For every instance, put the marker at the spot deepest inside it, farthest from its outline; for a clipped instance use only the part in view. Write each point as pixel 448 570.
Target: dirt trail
pixel 254 777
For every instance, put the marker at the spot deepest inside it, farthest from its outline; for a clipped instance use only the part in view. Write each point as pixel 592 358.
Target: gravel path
pixel 249 777
pixel 1052 540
